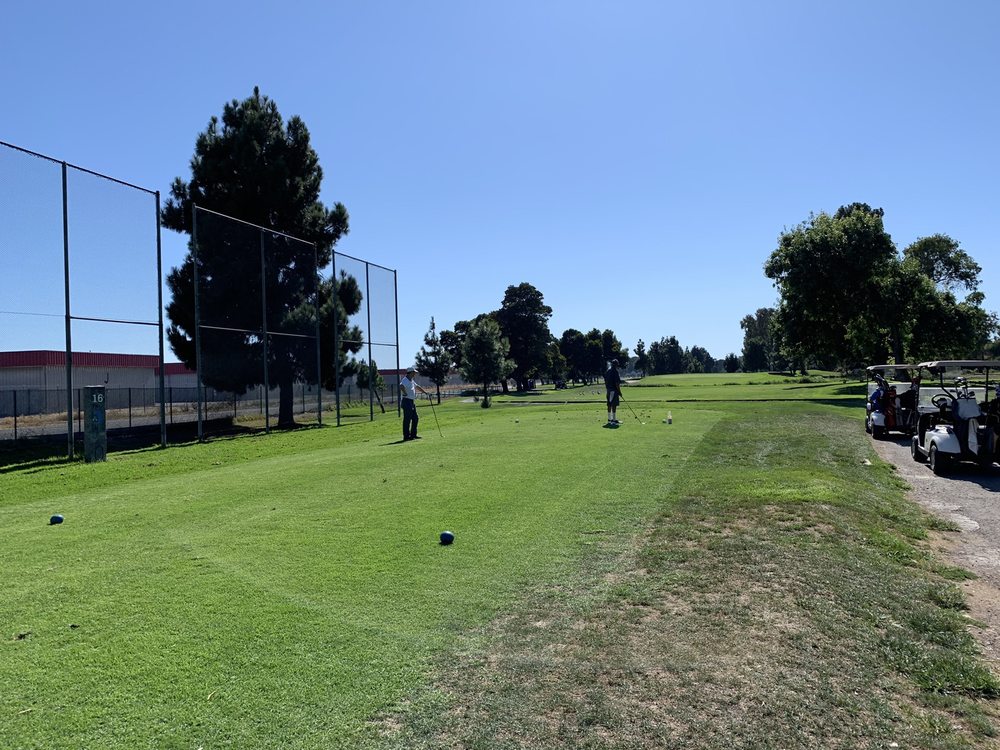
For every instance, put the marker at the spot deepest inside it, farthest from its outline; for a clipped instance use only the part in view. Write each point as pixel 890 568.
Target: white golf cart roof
pixel 881 368
pixel 958 364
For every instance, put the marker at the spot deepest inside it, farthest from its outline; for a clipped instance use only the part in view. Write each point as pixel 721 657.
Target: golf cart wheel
pixel 939 463
pixel 868 425
pixel 878 432
pixel 915 451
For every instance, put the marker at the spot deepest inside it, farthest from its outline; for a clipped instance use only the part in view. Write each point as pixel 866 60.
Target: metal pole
pixel 395 302
pixel 159 306
pixel 368 335
pixel 197 319
pixel 336 342
pixel 69 320
pixel 263 325
pixel 319 361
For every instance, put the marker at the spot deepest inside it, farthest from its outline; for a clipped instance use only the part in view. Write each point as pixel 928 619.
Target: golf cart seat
pixel 967 408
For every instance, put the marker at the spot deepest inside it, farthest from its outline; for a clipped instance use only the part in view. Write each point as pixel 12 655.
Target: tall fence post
pixel 197 318
pixel 319 349
pixel 336 337
pixel 395 303
pixel 263 325
pixel 368 335
pixel 69 320
pixel 159 305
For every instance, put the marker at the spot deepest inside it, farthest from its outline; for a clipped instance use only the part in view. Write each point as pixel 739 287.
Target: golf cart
pixel 958 421
pixel 892 400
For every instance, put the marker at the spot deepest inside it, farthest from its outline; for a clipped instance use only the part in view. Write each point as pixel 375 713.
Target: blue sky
pixel 635 161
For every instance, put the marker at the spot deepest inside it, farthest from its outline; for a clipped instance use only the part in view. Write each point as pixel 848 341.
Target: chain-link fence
pixel 257 325
pixel 81 304
pixel 368 340
pixel 80 285
pixel 269 320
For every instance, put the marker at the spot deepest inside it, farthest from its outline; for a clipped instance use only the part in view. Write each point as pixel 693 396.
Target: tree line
pixel 514 343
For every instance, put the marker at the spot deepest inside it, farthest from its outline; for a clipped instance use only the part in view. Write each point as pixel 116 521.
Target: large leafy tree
pixel 828 272
pixel 943 261
pixel 252 165
pixel 433 360
pixel 524 320
pixel 847 297
pixel 484 356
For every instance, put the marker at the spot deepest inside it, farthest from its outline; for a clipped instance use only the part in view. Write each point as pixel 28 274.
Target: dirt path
pixel 970 497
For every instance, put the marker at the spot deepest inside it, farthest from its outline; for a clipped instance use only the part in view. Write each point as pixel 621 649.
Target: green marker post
pixel 95 433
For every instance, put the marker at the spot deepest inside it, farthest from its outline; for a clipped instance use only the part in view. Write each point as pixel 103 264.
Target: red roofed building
pixel 46 370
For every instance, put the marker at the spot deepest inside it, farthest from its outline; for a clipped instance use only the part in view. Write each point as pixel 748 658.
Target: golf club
pixel 430 400
pixel 630 408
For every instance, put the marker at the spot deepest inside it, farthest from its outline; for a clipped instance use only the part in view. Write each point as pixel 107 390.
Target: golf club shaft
pixel 629 406
pixel 430 400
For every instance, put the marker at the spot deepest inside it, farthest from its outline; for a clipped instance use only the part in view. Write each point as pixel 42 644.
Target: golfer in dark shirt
pixel 613 384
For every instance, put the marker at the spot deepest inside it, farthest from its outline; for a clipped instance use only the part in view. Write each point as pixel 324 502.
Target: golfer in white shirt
pixel 408 390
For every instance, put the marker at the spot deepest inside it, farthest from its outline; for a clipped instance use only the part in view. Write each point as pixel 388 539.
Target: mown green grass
pixel 686 388
pixel 783 597
pixel 279 590
pixel 740 578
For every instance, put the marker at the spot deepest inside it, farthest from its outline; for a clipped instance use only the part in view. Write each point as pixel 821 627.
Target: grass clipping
pixel 759 610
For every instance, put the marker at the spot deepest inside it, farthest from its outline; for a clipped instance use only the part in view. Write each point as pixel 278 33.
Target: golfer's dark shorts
pixel 612 398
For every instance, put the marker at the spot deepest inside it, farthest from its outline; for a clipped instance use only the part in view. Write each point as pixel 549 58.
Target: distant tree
pixel 667 357
pixel 731 363
pixel 484 356
pixel 641 358
pixel 433 360
pixel 572 345
pixel 699 360
pixel 523 317
pixel 452 341
pixel 758 344
pixel 594 361
pixel 612 348
pixel 368 377
pixel 555 367
pixel 254 166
